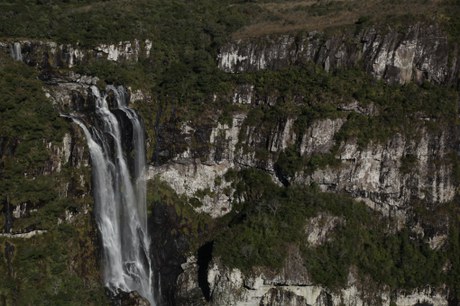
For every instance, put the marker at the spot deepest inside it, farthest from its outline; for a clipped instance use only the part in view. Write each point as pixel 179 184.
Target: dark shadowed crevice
pixel 157 130
pixel 8 216
pixel 167 249
pixel 204 258
pixel 281 176
pixel 453 301
pixel 9 254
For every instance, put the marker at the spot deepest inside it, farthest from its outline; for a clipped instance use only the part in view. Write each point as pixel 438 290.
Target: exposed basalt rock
pixel 389 175
pixel 188 288
pixel 419 53
pixel 376 173
pixel 193 158
pixel 45 54
pixel 191 179
pixel 232 287
pixel 128 299
pixel 319 228
pixel 282 136
pixel 188 175
pixel 27 235
pixel 167 249
pixel 244 94
pixel 319 138
pixel 279 296
pixel 354 106
pixel 71 94
pixel 60 154
pixel 180 141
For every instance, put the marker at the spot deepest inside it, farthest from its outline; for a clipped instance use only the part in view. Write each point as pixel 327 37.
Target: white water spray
pixel 15 51
pixel 120 196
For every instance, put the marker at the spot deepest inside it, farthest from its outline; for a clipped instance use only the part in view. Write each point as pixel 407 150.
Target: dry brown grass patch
pixel 320 15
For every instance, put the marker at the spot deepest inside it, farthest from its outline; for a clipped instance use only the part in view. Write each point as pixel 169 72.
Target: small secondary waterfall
pixel 120 194
pixel 15 51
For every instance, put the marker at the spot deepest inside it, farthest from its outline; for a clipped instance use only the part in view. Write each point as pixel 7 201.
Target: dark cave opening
pixel 204 258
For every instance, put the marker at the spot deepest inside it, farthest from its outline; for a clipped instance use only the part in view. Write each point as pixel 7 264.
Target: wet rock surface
pixel 167 250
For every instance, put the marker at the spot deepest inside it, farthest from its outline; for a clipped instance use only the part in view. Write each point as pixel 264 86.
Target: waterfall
pixel 15 50
pixel 120 194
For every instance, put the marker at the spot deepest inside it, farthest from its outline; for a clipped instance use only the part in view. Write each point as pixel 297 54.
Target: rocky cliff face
pixel 194 158
pixel 46 202
pixel 69 153
pixel 292 287
pixel 389 176
pixel 45 54
pixel 418 53
pixel 376 173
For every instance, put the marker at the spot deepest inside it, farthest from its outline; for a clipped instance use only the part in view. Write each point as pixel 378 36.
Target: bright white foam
pixel 120 197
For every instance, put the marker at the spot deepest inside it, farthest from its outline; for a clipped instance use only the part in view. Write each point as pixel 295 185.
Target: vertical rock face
pixel 319 228
pixel 419 53
pixel 46 201
pixel 319 138
pixel 282 297
pixel 232 287
pixel 168 248
pixel 190 174
pixel 379 174
pixel 193 158
pixel 244 94
pixel 45 53
pixel 376 173
pixel 60 155
pixel 385 175
pixel 188 289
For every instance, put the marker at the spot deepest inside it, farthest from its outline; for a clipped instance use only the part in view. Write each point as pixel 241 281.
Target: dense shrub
pixel 271 218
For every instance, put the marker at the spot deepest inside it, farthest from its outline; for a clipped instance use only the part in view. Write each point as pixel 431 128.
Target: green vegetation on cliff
pixel 58 266
pixel 27 122
pixel 272 218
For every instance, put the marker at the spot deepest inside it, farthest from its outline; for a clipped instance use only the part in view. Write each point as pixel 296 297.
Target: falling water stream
pixel 120 194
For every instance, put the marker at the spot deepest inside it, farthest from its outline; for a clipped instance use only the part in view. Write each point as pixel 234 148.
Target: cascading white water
pixel 15 51
pixel 120 197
